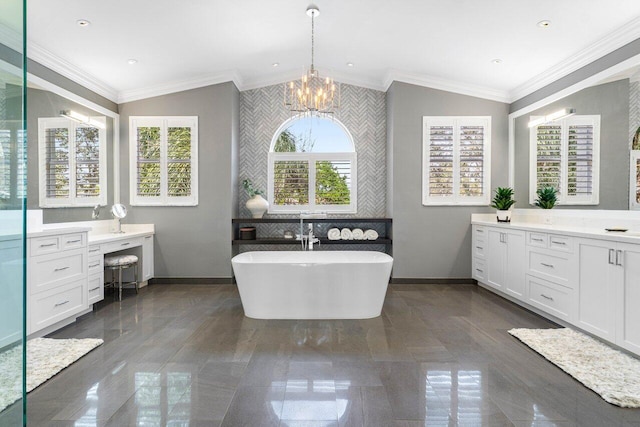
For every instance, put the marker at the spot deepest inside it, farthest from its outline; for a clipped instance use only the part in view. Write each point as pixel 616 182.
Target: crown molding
pixel 287 76
pixel 179 86
pixel 70 71
pixel 10 38
pixel 612 41
pixel 447 85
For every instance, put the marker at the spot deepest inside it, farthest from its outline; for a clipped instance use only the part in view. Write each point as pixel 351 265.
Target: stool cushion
pixel 120 260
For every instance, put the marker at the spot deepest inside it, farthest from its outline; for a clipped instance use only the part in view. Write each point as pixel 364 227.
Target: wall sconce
pixel 558 115
pixel 81 118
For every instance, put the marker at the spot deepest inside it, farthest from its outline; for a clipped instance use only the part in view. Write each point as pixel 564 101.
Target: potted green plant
pixel 546 197
pixel 502 202
pixel 256 204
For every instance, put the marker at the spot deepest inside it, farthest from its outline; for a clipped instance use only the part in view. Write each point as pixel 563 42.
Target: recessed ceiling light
pixel 132 61
pixel 544 24
pixel 275 64
pixel 496 61
pixel 349 64
pixel 83 23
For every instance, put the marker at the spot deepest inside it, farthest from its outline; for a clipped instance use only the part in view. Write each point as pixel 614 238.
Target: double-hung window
pixel 312 167
pixel 72 163
pixel 163 161
pixel 456 153
pixel 13 171
pixel 565 155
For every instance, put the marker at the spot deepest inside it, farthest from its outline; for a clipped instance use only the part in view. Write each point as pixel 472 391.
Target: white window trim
pixel 456 199
pixel 312 158
pixel 633 185
pixel 71 201
pixel 594 199
pixel 163 122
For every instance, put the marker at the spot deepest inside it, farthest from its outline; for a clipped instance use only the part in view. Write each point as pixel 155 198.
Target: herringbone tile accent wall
pixel 363 112
pixel 634 109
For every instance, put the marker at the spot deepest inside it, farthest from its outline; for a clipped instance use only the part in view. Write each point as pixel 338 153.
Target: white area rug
pixel 45 358
pixel 612 374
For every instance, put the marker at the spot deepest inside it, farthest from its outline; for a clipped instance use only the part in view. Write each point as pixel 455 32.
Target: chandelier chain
pixel 312 41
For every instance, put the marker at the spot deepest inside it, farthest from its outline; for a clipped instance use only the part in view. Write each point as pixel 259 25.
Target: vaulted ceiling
pixel 445 44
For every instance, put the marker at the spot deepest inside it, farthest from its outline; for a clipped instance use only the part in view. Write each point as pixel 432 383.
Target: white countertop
pixel 129 231
pixel 98 231
pixel 593 232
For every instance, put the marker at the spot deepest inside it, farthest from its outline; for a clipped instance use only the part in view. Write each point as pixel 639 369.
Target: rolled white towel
pixel 371 235
pixel 333 234
pixel 346 234
pixel 358 234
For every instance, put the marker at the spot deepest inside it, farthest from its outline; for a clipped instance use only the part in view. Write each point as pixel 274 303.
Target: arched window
pixel 312 167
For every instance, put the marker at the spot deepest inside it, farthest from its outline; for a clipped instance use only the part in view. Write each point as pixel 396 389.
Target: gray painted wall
pixel 362 111
pixel 625 52
pixel 611 102
pixel 433 241
pixel 193 241
pixel 47 104
pixel 634 109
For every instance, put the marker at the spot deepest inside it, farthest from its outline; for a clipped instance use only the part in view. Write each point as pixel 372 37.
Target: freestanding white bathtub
pixel 312 285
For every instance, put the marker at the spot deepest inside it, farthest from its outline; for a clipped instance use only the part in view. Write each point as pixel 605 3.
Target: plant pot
pixel 257 205
pixel 503 216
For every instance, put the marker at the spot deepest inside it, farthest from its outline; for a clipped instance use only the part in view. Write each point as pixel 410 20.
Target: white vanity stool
pixel 122 262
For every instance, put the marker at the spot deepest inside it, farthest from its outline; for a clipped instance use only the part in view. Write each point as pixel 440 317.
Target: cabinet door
pixel 11 269
pixel 628 325
pixel 147 258
pixel 515 261
pixel 495 258
pixel 597 288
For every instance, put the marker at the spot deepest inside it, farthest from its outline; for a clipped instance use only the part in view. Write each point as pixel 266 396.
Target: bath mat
pixel 45 358
pixel 613 375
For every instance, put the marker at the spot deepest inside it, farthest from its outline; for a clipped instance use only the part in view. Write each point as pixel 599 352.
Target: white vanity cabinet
pixel 95 289
pixel 11 264
pixel 505 260
pixel 57 271
pixel 610 291
pixel 147 258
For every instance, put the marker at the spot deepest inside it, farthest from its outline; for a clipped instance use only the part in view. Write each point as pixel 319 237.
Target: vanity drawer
pixel 95 264
pixel 73 241
pixel 554 267
pixel 94 250
pixel 479 248
pixel 550 297
pixel 561 243
pixel 121 245
pixel 56 305
pixel 53 270
pixel 44 245
pixel 96 288
pixel 479 270
pixel 537 239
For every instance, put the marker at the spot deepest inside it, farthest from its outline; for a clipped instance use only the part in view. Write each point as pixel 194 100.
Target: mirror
pixel 118 211
pixel 615 99
pixel 47 103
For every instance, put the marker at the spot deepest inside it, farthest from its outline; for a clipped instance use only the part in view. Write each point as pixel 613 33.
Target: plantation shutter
pixel 87 153
pixel 566 155
pixel 5 163
pixel 22 164
pixel 164 161
pixel 456 168
pixel 441 145
pixel 148 161
pixel 580 147
pixel 58 170
pixel 472 160
pixel 549 156
pixel 291 182
pixel 333 182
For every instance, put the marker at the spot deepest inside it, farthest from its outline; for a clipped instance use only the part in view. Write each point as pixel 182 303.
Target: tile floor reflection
pixel 438 356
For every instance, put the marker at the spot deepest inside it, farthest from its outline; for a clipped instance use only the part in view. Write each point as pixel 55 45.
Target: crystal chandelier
pixel 312 94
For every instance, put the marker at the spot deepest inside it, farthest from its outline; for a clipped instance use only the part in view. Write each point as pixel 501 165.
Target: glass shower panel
pixel 12 213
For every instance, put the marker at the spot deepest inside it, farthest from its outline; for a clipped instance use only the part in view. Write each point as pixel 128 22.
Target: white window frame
pixel 163 122
pixel 634 157
pixel 73 200
pixel 456 199
pixel 312 158
pixel 563 198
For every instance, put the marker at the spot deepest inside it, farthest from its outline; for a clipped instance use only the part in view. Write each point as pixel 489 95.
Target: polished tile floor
pixel 180 355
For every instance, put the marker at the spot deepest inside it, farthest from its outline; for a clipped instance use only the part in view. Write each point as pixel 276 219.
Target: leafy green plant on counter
pixel 251 191
pixel 546 197
pixel 503 200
